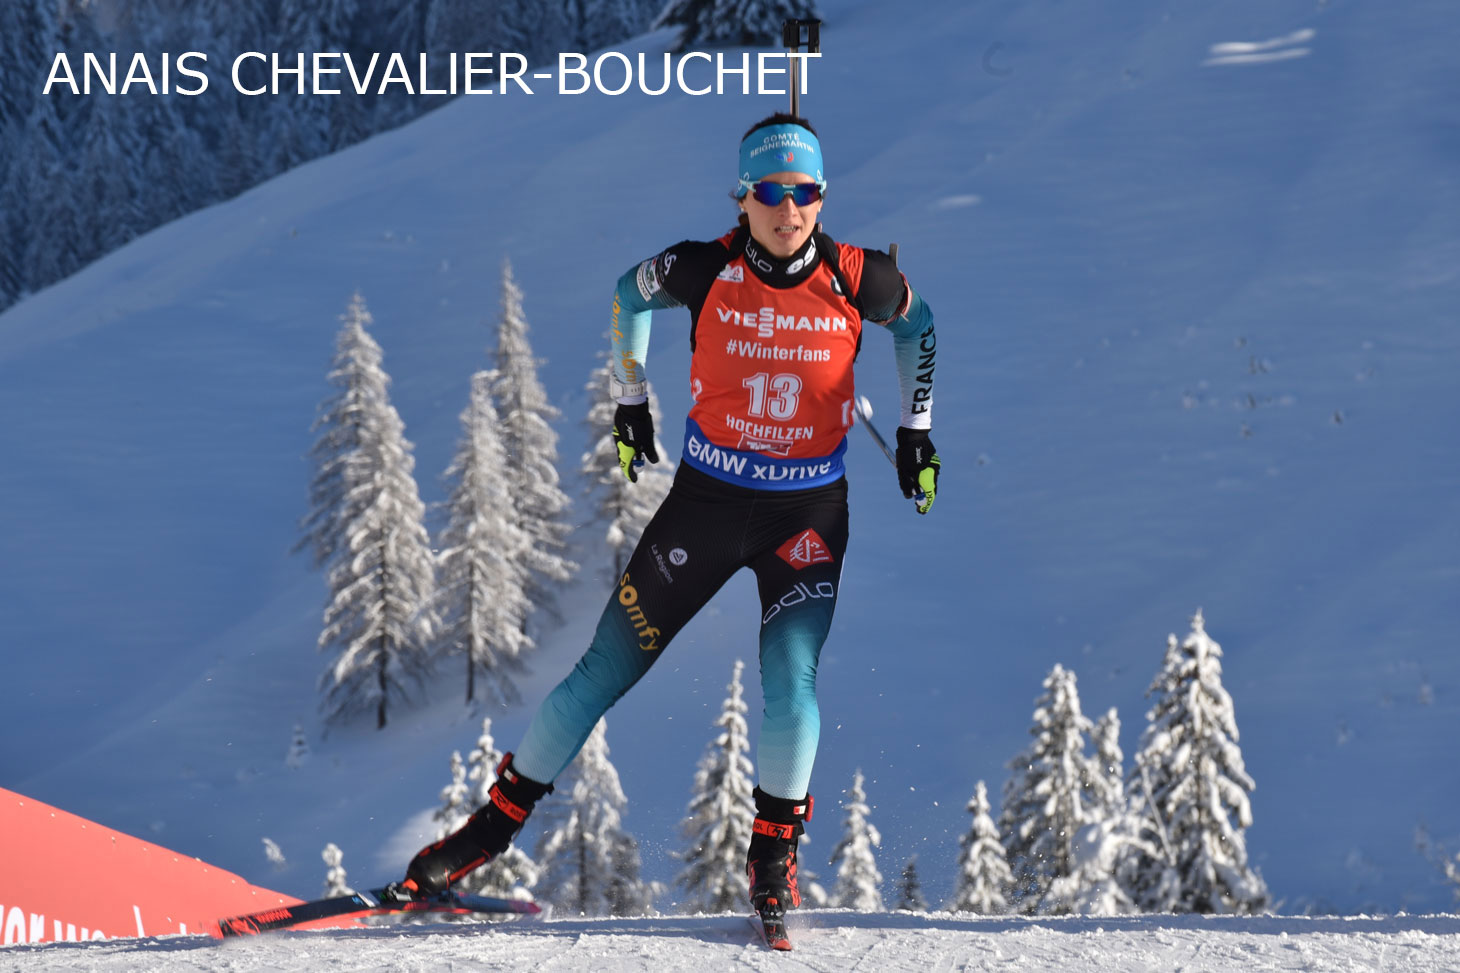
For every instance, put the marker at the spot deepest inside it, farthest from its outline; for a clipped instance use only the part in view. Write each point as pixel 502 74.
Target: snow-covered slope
pixel 1197 320
pixel 825 940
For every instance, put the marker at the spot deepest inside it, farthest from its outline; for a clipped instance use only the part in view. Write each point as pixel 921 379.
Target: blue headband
pixel 778 148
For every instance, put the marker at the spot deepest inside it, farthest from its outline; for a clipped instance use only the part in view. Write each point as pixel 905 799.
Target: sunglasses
pixel 771 193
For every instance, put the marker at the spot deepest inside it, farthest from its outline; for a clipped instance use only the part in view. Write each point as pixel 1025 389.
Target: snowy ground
pixel 827 941
pixel 1196 271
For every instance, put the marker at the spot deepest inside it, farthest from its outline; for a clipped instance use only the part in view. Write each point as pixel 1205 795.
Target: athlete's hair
pixel 779 118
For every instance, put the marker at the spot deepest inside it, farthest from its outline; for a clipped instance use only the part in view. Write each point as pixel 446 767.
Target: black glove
pixel 917 466
pixel 633 434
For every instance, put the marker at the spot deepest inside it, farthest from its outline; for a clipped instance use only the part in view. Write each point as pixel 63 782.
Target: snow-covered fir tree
pixel 983 868
pixel 1108 848
pixel 530 452
pixel 336 882
pixel 298 754
pixel 305 127
pixel 718 820
pixel 48 199
pixel 480 597
pixel 366 526
pixel 189 153
pixel 589 862
pixel 1107 778
pixel 595 23
pixel 732 23
pixel 513 873
pixel 1044 804
pixel 857 879
pixel 625 507
pixel 481 766
pixel 454 808
pixel 910 889
pixel 1198 809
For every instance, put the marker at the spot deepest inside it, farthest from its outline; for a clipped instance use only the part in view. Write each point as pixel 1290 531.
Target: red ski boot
pixel 771 862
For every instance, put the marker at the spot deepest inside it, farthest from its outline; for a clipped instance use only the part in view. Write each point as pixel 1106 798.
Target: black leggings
pixel 703 533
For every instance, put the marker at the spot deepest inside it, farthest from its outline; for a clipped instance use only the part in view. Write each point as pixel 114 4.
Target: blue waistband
pixel 758 471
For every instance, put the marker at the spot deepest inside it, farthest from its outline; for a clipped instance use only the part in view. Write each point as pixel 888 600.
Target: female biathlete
pixel 776 312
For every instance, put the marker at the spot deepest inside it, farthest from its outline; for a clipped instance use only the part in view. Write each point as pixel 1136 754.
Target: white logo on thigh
pixel 678 556
pixel 799 593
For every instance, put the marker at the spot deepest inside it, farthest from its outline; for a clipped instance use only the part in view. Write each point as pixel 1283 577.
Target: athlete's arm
pixel 889 300
pixel 679 276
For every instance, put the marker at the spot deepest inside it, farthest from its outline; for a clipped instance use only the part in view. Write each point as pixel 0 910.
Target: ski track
pixel 827 941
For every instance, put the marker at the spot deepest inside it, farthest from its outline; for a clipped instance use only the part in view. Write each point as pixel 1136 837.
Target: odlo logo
pixel 628 596
pixel 800 592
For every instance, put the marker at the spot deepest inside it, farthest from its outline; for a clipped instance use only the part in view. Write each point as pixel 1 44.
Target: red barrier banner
pixel 63 877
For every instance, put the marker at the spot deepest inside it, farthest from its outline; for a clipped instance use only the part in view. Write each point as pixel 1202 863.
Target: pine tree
pixel 626 507
pixel 453 812
pixel 307 123
pixel 983 868
pixel 857 878
pixel 1108 847
pixel 27 45
pixel 718 820
pixel 480 597
pixel 597 23
pixel 1044 803
pixel 535 29
pixel 482 764
pixel 589 863
pixel 732 23
pixel 49 216
pixel 112 213
pixel 512 873
pixel 1199 787
pixel 336 882
pixel 366 527
pixel 910 889
pixel 1107 780
pixel 530 448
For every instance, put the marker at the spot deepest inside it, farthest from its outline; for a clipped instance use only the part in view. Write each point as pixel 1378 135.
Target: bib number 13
pixel 774 395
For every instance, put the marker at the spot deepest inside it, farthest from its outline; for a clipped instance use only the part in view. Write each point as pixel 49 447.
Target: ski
pixel 375 902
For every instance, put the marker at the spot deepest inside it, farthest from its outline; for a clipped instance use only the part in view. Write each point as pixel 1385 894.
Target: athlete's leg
pixel 688 551
pixel 798 580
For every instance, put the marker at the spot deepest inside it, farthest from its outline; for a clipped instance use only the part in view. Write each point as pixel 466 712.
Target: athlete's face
pixel 782 229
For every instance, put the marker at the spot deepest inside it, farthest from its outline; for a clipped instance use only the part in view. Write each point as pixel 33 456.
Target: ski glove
pixel 917 466
pixel 633 434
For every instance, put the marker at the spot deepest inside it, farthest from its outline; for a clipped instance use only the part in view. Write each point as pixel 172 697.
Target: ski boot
pixel 771 862
pixel 486 834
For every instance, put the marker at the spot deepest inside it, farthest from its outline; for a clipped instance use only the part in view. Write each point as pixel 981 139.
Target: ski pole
pixel 863 407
